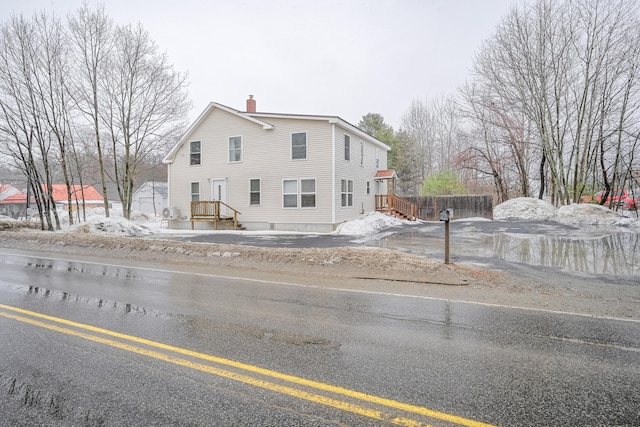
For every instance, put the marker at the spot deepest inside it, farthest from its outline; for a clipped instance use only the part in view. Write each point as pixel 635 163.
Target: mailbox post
pixel 446 215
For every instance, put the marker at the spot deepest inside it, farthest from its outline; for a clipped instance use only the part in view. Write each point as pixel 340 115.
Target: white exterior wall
pixel 266 155
pixel 363 203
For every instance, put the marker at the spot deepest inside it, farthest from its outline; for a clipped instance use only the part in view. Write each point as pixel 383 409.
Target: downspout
pixel 333 173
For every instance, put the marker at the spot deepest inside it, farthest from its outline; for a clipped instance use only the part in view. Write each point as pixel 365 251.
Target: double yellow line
pixel 241 371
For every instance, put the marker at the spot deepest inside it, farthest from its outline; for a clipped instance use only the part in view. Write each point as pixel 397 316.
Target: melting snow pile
pixel 370 224
pixel 590 214
pixel 114 225
pixel 524 208
pixel 576 214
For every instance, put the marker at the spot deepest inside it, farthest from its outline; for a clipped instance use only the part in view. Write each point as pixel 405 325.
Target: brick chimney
pixel 251 104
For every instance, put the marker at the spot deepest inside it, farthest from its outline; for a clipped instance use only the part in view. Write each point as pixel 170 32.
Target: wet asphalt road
pixel 480 363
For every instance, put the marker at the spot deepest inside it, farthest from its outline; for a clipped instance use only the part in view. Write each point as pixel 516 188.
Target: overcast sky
pixel 344 58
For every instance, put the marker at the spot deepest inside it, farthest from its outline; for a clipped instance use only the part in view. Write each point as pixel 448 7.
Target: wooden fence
pixel 463 206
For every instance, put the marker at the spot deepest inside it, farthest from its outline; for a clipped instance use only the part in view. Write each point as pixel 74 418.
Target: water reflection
pixel 616 254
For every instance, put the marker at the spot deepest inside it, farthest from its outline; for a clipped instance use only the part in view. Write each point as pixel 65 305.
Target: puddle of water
pixel 616 254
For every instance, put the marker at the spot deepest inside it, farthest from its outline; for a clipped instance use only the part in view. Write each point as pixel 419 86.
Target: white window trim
pixel 347 193
pixel 191 190
pixel 306 146
pixel 259 192
pixel 315 192
pixel 241 149
pixel 297 206
pixel 190 153
pixel 299 193
pixel 347 150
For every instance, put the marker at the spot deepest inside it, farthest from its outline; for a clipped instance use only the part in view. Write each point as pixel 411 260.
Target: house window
pixel 377 158
pixel 347 192
pixel 308 193
pixel 368 187
pixel 347 147
pixel 298 146
pixel 195 191
pixel 235 149
pixel 290 193
pixel 254 192
pixel 361 153
pixel 195 152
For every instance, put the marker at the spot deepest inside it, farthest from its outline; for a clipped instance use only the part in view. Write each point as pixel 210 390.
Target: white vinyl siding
pixel 235 149
pixel 354 203
pixel 266 153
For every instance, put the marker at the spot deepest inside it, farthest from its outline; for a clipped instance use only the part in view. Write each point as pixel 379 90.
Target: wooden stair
pixel 210 211
pixel 392 204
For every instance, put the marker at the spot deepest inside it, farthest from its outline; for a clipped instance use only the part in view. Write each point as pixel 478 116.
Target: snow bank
pixel 370 224
pixel 579 214
pixel 114 226
pixel 524 208
pixel 589 214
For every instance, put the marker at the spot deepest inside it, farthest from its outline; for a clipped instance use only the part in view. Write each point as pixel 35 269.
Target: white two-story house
pixel 276 171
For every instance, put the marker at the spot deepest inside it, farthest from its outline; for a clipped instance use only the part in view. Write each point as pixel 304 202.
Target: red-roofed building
pixel 92 198
pixel 14 205
pixel 7 190
pixel 12 201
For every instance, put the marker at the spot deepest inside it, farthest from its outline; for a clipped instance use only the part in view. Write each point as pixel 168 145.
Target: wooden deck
pixel 210 211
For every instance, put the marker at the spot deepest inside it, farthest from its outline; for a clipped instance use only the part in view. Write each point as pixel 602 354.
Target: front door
pixel 219 192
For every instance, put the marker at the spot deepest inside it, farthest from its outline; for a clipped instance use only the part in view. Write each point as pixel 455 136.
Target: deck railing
pixel 395 205
pixel 210 210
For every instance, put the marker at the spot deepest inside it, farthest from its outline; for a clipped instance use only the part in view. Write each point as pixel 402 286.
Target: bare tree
pixel 145 105
pixel 92 34
pixel 29 107
pixel 569 70
pixel 51 87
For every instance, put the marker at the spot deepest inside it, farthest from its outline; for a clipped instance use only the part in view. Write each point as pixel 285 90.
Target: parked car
pixel 618 198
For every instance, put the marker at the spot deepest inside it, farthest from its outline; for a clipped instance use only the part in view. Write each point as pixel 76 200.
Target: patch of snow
pixel 370 224
pixel 472 219
pixel 587 214
pixel 115 226
pixel 577 214
pixel 524 208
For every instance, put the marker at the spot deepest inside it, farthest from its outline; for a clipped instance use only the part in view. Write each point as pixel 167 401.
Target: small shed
pixel 150 198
